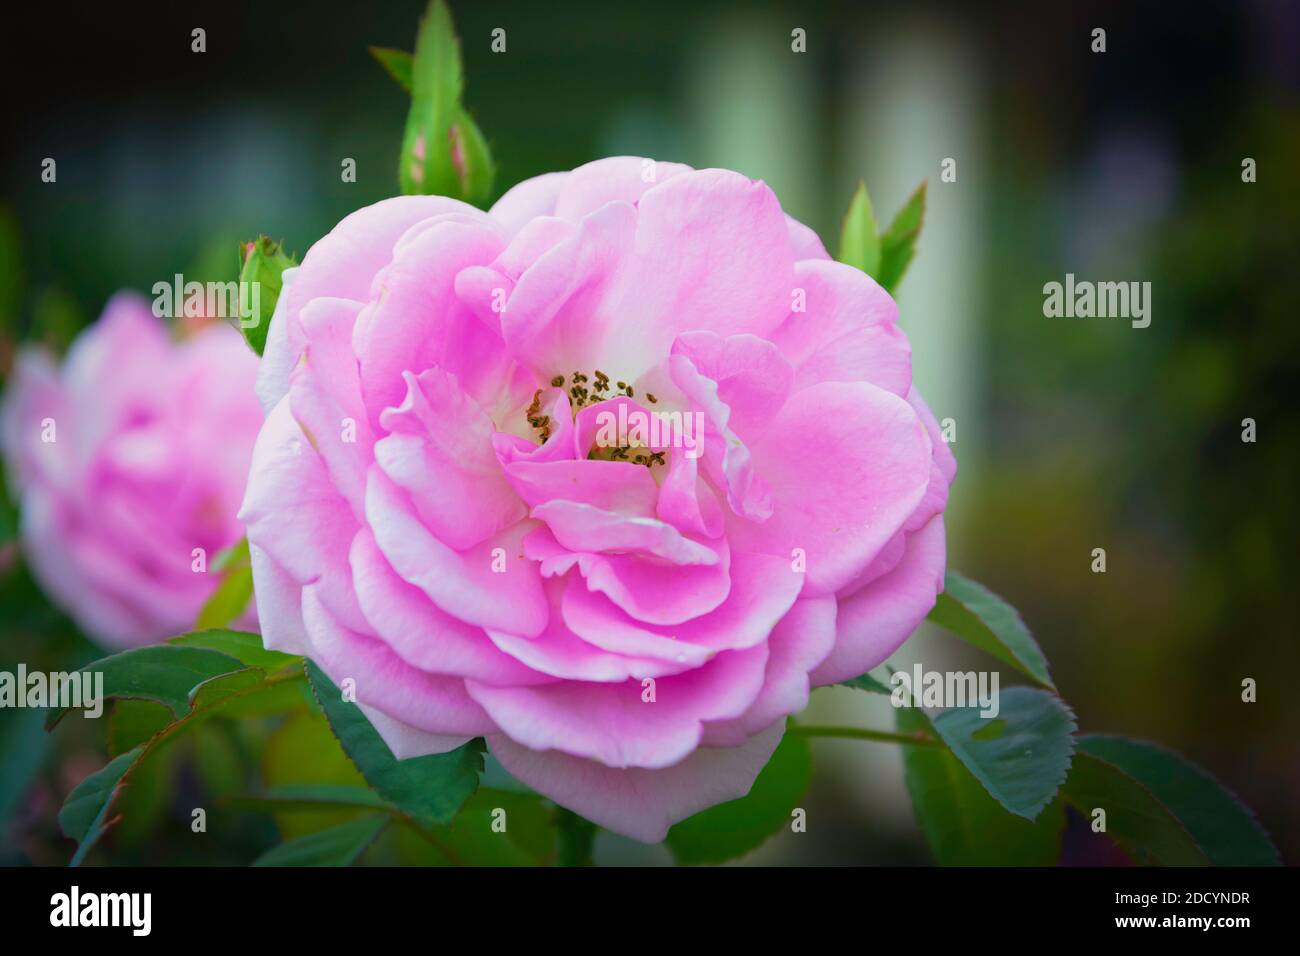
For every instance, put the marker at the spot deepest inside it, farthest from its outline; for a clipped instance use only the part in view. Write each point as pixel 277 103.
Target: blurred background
pixel 1072 434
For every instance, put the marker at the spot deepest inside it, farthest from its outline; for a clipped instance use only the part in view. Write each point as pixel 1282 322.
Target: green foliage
pixel 1136 821
pixel 859 238
pixel 898 243
pixel 985 791
pixel 159 694
pixel 1163 809
pixel 170 675
pixel 264 262
pixel 1022 756
pixel 736 827
pixel 979 617
pixel 399 64
pixel 241 645
pixel 84 816
pixel 868 683
pixel 443 151
pixel 338 846
pixel 233 592
pixel 886 255
pixel 428 788
pixel 963 824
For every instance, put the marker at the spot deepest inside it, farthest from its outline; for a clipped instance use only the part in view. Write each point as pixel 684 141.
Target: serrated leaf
pixel 264 262
pixel 84 815
pixel 443 152
pixel 430 788
pixel 398 63
pixel 868 683
pixel 1023 755
pixel 859 239
pixel 1136 821
pixel 164 673
pixel 242 645
pixel 963 825
pixel 338 846
pixel 234 590
pixel 898 242
pixel 736 827
pixel 1223 828
pixel 978 616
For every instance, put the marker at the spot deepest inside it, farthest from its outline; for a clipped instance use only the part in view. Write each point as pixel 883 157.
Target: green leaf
pixel 859 238
pixel 868 683
pixel 898 243
pixel 242 645
pixel 84 815
pixel 1023 755
pixel 398 63
pixel 979 617
pixel 233 592
pixel 443 152
pixel 164 673
pixel 1224 829
pixel 264 262
pixel 963 825
pixel 338 846
pixel 736 827
pixel 1136 821
pixel 432 788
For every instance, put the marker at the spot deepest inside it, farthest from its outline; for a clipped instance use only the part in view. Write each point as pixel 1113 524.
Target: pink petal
pixel 612 723
pixel 439 450
pixel 874 621
pixel 415 321
pixel 420 632
pixel 431 702
pixel 624 178
pixel 462 583
pixel 847 464
pixel 295 514
pixel 848 331
pixel 763 588
pixel 639 803
pixel 527 200
pixel 800 642
pixel 325 390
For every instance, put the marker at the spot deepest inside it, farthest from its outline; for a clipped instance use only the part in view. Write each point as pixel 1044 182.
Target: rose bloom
pixel 430 513
pixel 126 459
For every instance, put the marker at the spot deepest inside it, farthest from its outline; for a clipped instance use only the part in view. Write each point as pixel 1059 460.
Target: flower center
pixel 585 390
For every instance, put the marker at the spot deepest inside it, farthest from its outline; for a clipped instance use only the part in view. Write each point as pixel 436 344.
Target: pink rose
pixel 127 459
pixel 432 512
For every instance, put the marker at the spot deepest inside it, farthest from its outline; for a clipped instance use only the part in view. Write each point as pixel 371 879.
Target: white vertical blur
pixel 914 99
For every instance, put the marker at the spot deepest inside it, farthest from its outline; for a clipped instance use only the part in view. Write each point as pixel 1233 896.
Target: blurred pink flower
pixel 432 515
pixel 126 459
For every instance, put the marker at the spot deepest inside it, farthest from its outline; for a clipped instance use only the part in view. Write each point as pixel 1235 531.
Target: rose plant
pixel 448 547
